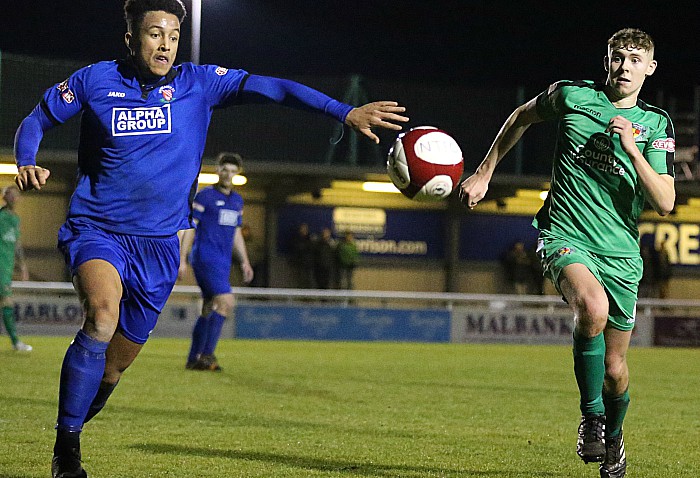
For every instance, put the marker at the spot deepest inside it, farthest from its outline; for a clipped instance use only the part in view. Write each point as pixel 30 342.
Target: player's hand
pixel 31 177
pixel 380 114
pixel 473 189
pixel 247 272
pixel 623 127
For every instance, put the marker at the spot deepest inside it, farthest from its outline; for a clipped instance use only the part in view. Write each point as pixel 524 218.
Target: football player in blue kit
pixel 218 213
pixel 143 130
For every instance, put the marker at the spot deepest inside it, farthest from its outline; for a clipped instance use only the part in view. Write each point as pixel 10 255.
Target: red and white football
pixel 425 163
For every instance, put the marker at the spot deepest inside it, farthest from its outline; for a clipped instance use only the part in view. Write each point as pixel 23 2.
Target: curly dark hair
pixel 631 38
pixel 135 10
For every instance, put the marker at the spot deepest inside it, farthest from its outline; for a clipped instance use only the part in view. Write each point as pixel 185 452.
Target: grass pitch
pixel 329 409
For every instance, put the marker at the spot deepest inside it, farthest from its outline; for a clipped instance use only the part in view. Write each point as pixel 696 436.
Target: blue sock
pixel 215 324
pixel 81 374
pixel 199 338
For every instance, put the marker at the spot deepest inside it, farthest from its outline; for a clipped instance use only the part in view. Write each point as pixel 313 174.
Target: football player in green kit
pixel 11 258
pixel 613 152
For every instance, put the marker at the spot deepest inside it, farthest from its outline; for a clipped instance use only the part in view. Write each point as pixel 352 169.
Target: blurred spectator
pixel 647 285
pixel 324 260
pixel 348 257
pixel 662 269
pixel 536 271
pixel 302 257
pixel 518 266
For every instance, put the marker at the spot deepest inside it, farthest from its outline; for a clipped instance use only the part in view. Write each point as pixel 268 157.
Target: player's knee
pixel 591 314
pixel 615 368
pixel 223 304
pixel 101 317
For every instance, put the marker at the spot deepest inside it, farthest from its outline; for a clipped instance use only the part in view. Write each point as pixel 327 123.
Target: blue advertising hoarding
pixel 487 237
pixel 377 232
pixel 264 321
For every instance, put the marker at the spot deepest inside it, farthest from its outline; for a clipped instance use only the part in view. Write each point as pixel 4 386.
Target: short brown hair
pixel 631 38
pixel 230 158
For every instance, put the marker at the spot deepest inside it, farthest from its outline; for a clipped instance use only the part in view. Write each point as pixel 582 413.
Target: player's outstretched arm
pixel 379 114
pixel 474 188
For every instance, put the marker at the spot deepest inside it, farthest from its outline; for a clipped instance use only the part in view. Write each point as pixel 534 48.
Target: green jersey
pixel 595 197
pixel 9 235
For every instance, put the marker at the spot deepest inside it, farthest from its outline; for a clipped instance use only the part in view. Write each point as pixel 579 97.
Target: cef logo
pixel 141 121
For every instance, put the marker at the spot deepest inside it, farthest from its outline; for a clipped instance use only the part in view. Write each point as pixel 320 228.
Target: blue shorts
pixel 147 267
pixel 212 276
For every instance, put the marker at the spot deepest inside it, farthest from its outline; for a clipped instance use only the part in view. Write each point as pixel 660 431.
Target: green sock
pixel 615 411
pixel 8 316
pixel 589 368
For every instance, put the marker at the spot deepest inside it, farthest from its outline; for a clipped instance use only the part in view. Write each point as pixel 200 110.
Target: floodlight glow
pixel 211 178
pixel 8 168
pixel 379 187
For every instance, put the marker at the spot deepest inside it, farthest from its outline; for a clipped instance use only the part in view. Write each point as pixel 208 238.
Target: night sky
pixel 500 43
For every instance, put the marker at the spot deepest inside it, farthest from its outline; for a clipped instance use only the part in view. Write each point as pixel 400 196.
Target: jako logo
pixel 138 121
pixel 117 94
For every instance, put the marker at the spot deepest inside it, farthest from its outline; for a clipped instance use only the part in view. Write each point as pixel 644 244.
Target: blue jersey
pixel 140 149
pixel 218 215
pixel 141 145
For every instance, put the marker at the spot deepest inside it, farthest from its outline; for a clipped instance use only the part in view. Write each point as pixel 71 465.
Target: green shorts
pixel 619 276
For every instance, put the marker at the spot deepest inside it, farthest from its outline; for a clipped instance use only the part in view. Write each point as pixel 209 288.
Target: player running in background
pixel 613 151
pixel 11 258
pixel 143 130
pixel 218 213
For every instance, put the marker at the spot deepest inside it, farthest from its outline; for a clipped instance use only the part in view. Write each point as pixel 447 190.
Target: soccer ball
pixel 425 163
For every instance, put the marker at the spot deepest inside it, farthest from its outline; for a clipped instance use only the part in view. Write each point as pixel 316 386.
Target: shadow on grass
pixel 320 464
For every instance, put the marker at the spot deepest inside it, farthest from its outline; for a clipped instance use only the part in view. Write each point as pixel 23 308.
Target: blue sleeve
pixel 60 102
pixel 29 135
pixel 66 99
pixel 266 89
pixel 221 85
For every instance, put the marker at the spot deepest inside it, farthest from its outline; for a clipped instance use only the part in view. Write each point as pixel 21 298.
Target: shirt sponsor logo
pixel 667 144
pixel 116 94
pixel 228 217
pixel 220 202
pixel 141 121
pixel 166 92
pixel 598 154
pixel 221 71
